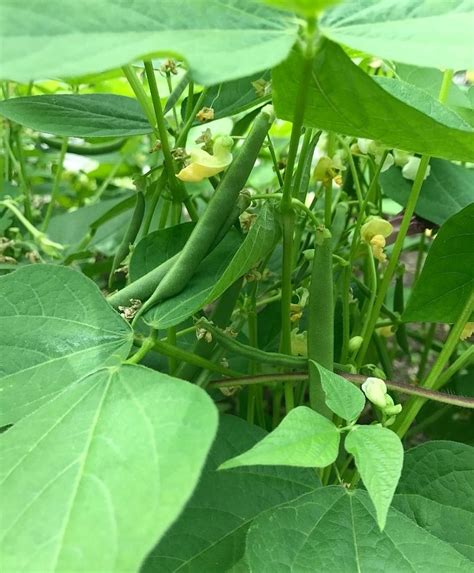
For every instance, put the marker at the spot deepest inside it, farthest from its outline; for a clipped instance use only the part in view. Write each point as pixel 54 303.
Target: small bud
pixel 299 343
pixel 355 343
pixel 467 331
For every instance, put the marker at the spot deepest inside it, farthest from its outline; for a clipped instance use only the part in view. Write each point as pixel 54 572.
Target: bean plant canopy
pixel 236 286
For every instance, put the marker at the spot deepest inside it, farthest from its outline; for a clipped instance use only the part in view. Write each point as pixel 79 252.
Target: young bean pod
pixel 130 235
pixel 321 319
pixel 217 212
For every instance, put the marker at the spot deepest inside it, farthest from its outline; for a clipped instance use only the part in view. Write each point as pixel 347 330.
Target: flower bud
pixel 355 343
pixel 375 391
pixel 410 169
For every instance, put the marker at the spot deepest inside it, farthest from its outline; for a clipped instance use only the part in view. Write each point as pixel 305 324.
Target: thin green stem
pixel 56 183
pixel 463 360
pixel 271 148
pixel 145 346
pixel 373 290
pixel 429 336
pixel 23 177
pixel 181 141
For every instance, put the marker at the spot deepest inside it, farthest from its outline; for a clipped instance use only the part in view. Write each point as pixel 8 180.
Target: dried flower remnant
pixel 205 114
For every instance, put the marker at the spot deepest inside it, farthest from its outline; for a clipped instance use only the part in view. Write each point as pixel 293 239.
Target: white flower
pixel 374 233
pixel 371 147
pixel 410 168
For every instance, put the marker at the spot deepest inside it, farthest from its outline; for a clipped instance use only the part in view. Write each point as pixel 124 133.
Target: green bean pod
pixel 399 307
pixel 130 235
pixel 321 319
pixel 217 212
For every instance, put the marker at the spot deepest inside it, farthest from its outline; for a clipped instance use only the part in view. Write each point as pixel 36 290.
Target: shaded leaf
pixel 447 278
pixel 78 115
pixel 447 190
pixel 220 39
pixel 56 328
pixel 210 534
pixel 95 476
pixel 331 529
pixel 344 99
pixel 436 491
pixel 231 98
pixel 424 33
pixel 304 438
pixel 378 454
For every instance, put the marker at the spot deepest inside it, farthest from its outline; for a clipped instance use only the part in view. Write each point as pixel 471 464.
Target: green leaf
pixel 447 278
pixel 448 189
pixel 95 476
pixel 156 248
pixel 332 529
pixel 176 309
pixel 220 40
pixel 56 328
pixel 304 438
pixel 436 491
pixel 71 227
pixel 344 99
pixel 260 240
pixel 424 33
pixel 378 454
pixel 84 115
pixel 210 533
pixel 342 397
pixel 231 98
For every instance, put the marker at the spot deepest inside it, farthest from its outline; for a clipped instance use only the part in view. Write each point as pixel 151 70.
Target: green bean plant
pixel 236 286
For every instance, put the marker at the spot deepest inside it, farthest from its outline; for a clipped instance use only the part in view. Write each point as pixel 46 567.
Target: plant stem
pixel 465 359
pixel 181 141
pixel 56 183
pixel 271 148
pixel 145 346
pixel 413 406
pixel 23 177
pixel 408 389
pixel 373 291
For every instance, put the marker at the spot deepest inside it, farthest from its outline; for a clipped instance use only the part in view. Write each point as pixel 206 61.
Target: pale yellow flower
pixel 374 232
pixel 204 165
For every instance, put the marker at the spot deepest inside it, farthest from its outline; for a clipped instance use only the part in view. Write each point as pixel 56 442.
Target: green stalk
pixel 181 141
pixel 414 405
pixel 56 183
pixel 271 148
pixel 158 190
pixel 373 290
pixel 465 359
pixel 23 177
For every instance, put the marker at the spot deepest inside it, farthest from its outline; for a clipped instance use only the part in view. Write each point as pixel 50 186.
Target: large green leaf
pixel 425 33
pixel 156 248
pixel 85 115
pixel 447 279
pixel 95 476
pixel 436 491
pixel 344 99
pixel 231 98
pixel 174 310
pixel 331 529
pixel 259 241
pixel 378 454
pixel 56 328
pixel 304 438
pixel 210 534
pixel 220 39
pixel 342 397
pixel 448 189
